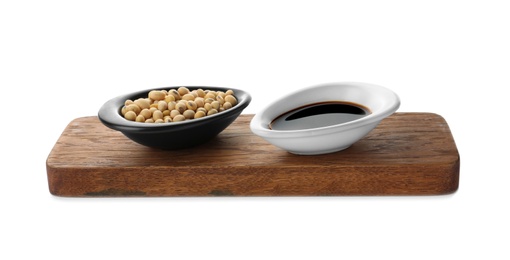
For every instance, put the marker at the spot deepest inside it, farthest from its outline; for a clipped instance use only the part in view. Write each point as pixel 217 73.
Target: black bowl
pixel 174 135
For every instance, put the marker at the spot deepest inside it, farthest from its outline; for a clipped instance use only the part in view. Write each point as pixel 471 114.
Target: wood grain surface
pixel 406 154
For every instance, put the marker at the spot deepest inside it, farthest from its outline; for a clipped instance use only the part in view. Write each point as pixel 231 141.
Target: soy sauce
pixel 319 115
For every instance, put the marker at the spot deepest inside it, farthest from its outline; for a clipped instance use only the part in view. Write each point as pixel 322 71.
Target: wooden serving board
pixel 406 154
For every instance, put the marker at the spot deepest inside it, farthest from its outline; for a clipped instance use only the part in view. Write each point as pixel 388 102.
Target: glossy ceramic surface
pixel 174 135
pixel 381 101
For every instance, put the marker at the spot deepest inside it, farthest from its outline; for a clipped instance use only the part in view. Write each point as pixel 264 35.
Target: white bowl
pixel 381 102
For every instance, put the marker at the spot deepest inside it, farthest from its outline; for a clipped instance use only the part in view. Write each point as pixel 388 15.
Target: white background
pixel 60 60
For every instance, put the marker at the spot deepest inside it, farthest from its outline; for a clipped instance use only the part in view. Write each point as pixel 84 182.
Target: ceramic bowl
pixel 380 101
pixel 173 135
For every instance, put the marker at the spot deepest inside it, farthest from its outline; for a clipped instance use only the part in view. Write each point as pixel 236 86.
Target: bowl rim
pixel 259 126
pixel 109 113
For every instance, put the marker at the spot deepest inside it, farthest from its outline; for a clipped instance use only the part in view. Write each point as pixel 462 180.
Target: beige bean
pixel 188 97
pixel 171 105
pixel 130 115
pixel 227 105
pixel 146 113
pixel 123 110
pixel 231 99
pixel 174 113
pixel 216 105
pixel 220 99
pixel 189 114
pixel 181 107
pixel 200 114
pixel 191 105
pixel 200 92
pixel 212 112
pixel 199 101
pixel 169 98
pixel 210 95
pixel 174 93
pixel 143 103
pixel 140 118
pixel 157 95
pixel 179 118
pixel 220 93
pixel 133 107
pixel 157 115
pixel 183 90
pixel 162 105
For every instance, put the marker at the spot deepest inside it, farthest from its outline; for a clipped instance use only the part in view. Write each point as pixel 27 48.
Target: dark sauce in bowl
pixel 320 114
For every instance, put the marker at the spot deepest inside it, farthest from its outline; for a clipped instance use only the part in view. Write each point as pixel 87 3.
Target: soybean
pixel 181 107
pixel 143 103
pixel 192 105
pixel 179 118
pixel 189 114
pixel 157 115
pixel 157 95
pixel 188 97
pixel 231 99
pixel 174 113
pixel 212 112
pixel 162 105
pixel 130 115
pixel 183 90
pixel 227 105
pixel 200 114
pixel 140 118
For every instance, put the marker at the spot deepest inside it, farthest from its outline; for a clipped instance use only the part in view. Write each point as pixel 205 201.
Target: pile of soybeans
pixel 174 105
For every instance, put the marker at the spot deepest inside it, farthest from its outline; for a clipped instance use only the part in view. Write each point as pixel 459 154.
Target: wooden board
pixel 406 154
